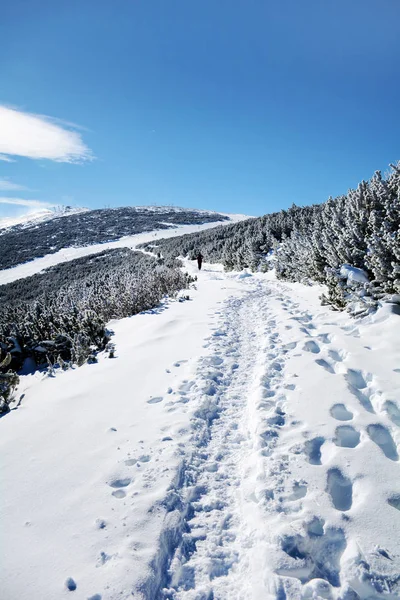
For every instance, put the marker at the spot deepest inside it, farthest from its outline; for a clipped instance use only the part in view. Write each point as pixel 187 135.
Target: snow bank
pixel 244 274
pixel 353 274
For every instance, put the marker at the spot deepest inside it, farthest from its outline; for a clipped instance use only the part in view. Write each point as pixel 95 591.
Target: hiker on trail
pixel 199 260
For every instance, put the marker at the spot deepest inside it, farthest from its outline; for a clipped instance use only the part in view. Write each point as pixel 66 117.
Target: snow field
pixel 101 451
pixel 327 469
pixel 243 445
pixel 275 499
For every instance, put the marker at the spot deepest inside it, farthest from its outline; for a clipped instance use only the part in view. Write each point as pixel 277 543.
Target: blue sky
pixel 233 105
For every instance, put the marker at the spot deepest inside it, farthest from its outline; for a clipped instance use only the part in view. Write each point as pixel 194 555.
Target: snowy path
pixel 280 495
pixel 208 493
pixel 320 482
pixel 243 446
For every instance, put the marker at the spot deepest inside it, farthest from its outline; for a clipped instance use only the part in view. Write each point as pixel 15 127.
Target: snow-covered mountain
pixel 45 214
pixel 106 231
pixel 65 229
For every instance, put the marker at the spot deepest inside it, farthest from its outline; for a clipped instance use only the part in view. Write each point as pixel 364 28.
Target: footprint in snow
pixel 325 365
pixel 144 458
pixel 340 412
pixel 290 346
pixel 100 524
pixel 316 557
pixel 335 355
pixel 394 501
pixel 311 346
pixel 382 438
pixel 325 338
pixel 120 483
pixel 340 489
pixel 214 360
pixel 357 378
pixel 315 528
pixel 103 558
pixel 119 494
pixel 383 552
pixel 362 398
pixel 299 491
pixel 306 319
pixel 289 386
pixel 278 420
pixel 155 400
pixel 70 584
pixel 393 412
pixel 347 436
pixel 268 438
pixel 313 450
pixel 276 366
pixel 186 387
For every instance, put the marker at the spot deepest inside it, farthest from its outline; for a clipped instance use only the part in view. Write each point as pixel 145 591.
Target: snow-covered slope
pixel 66 254
pixel 32 219
pixel 243 445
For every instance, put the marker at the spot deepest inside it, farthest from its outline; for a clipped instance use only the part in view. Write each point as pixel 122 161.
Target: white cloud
pixel 6 158
pixel 38 137
pixel 25 202
pixel 10 186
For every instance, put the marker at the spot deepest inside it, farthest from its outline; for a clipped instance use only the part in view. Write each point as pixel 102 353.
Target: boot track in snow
pixel 259 464
pixel 246 515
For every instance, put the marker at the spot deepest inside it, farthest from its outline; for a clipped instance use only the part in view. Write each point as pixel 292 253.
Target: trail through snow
pixel 269 506
pixel 243 445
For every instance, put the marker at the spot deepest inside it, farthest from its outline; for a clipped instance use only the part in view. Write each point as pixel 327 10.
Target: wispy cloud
pixel 26 202
pixel 10 186
pixel 38 137
pixel 6 158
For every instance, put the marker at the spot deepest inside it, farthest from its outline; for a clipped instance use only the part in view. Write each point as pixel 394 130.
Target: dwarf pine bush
pixel 311 243
pixel 67 323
